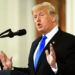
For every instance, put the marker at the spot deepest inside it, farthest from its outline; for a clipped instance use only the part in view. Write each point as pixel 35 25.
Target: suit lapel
pixel 33 48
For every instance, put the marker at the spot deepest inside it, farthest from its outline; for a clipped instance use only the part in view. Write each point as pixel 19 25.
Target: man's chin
pixel 41 31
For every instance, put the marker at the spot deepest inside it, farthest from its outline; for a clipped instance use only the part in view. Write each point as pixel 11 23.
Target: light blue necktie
pixel 40 50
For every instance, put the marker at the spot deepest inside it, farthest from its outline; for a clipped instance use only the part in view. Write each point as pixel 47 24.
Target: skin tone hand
pixel 6 62
pixel 51 57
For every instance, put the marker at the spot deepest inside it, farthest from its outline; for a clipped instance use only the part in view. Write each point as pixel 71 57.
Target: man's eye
pixel 35 16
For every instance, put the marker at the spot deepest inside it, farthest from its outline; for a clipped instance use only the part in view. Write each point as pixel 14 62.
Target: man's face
pixel 43 20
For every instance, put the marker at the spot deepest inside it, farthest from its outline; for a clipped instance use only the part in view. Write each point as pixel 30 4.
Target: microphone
pixel 12 34
pixel 9 30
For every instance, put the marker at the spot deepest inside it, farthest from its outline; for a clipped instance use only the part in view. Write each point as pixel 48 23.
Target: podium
pixel 11 72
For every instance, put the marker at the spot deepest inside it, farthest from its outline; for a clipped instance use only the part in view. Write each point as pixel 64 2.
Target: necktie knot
pixel 44 37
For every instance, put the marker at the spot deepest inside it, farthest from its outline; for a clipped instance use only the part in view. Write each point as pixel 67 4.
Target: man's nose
pixel 38 19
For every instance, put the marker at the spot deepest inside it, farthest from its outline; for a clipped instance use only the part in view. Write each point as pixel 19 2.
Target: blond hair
pixel 47 5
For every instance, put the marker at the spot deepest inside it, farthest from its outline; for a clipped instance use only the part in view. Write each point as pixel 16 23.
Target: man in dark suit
pixel 58 55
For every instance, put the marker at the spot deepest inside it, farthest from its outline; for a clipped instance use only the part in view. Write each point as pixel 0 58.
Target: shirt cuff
pixel 55 69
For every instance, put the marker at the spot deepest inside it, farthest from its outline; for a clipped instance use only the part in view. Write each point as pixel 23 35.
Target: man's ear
pixel 53 18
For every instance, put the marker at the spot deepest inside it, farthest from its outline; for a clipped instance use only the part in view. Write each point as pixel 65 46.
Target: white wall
pixel 70 16
pixel 16 14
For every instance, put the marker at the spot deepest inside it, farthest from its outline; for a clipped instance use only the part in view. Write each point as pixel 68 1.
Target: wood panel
pixel 61 13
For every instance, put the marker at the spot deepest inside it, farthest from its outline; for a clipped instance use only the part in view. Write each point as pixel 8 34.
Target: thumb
pixel 11 58
pixel 51 49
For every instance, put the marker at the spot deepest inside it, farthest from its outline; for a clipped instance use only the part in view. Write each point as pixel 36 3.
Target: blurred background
pixel 17 14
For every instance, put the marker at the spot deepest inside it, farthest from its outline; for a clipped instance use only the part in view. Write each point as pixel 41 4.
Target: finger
pixel 46 52
pixel 51 49
pixel 10 58
pixel 3 54
pixel 9 63
pixel 4 64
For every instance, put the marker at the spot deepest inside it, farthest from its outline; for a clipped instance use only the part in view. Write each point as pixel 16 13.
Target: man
pixel 58 55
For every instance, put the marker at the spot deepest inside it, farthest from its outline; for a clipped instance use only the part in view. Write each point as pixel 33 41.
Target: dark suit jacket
pixel 65 55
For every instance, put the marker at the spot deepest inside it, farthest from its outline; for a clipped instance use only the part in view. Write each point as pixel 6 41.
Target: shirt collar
pixel 50 34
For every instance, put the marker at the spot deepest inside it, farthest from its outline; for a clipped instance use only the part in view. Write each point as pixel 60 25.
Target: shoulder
pixel 66 36
pixel 36 41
